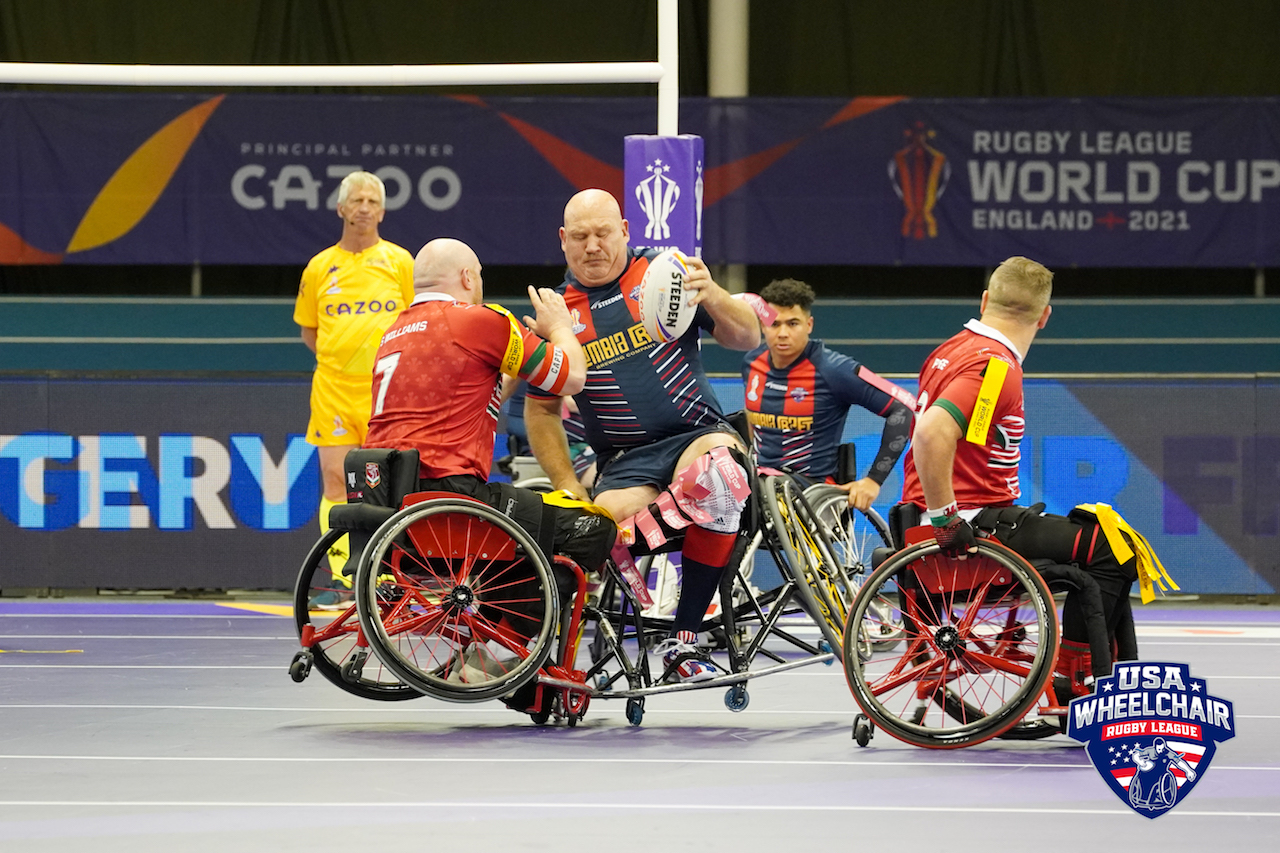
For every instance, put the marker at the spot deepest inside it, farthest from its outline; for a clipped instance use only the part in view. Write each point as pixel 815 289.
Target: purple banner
pixel 245 179
pixel 664 191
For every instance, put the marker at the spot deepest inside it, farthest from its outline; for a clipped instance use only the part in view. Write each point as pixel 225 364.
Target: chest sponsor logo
pixel 617 346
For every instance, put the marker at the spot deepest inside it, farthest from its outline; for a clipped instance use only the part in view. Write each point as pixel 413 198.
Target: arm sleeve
pixel 898 423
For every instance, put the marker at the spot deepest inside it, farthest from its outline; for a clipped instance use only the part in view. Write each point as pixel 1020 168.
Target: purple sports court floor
pixel 146 726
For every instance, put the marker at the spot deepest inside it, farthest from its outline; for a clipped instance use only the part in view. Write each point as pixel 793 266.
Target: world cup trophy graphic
pixel 919 174
pixel 657 195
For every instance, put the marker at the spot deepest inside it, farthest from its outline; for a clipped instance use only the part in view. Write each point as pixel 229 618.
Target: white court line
pixel 280 667
pixel 563 806
pixel 1216 641
pixel 292 639
pixel 232 613
pixel 276 667
pixel 752 762
pixel 400 709
pixel 1201 641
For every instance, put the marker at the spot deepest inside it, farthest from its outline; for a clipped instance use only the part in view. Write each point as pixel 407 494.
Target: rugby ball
pixel 664 304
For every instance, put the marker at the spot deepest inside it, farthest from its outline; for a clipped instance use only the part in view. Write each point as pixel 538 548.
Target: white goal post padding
pixel 664 72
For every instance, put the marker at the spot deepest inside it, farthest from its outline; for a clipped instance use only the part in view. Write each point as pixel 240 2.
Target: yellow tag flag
pixel 984 409
pixel 1119 535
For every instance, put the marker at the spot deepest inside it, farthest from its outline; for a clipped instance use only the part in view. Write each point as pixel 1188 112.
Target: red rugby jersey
pixel 986 466
pixel 437 381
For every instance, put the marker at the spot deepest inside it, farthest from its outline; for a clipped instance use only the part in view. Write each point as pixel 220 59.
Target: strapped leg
pixel 705 501
pixel 1077 540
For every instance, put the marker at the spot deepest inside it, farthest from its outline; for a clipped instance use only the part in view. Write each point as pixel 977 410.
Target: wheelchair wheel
pixel 536 484
pixel 821 585
pixel 457 600
pixel 854 535
pixel 979 642
pixel 327 626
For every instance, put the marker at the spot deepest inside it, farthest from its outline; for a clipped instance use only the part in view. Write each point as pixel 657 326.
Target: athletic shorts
pixel 651 464
pixel 340 407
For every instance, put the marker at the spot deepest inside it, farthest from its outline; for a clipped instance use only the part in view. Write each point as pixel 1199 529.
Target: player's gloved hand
pixel 955 536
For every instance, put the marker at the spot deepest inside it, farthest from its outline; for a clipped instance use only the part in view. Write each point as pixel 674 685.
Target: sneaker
pixel 332 599
pixel 481 663
pixel 685 662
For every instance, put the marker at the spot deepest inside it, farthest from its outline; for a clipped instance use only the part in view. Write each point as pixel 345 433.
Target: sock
pixel 340 551
pixel 698 586
pixel 705 555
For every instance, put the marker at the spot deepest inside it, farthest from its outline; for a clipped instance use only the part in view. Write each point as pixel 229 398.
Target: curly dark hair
pixel 787 292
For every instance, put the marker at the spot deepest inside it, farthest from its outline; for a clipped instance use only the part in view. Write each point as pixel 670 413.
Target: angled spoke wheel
pixel 979 638
pixel 457 600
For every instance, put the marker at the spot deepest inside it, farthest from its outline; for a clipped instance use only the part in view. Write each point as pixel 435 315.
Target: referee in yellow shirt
pixel 350 294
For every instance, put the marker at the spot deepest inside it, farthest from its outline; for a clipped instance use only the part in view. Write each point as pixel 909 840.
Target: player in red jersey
pixel 962 467
pixel 437 386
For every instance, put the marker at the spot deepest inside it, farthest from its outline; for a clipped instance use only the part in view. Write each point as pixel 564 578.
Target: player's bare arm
pixel 552 322
pixel 737 326
pixel 545 428
pixel 934 446
pixel 309 337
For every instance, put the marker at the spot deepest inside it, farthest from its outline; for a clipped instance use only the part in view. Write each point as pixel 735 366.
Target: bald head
pixel 594 238
pixel 594 204
pixel 448 266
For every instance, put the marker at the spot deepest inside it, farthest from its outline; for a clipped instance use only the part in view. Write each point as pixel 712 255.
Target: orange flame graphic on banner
pixel 919 168
pixel 140 180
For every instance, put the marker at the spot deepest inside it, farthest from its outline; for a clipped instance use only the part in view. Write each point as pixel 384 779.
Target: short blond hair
pixel 1019 289
pixel 362 179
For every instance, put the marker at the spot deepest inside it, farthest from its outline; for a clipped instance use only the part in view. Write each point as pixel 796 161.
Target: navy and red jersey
pixel 976 377
pixel 797 413
pixel 437 382
pixel 637 391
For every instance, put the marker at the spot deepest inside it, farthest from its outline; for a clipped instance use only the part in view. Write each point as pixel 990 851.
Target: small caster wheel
pixel 736 698
pixel 825 648
pixel 635 711
pixel 353 667
pixel 300 667
pixel 540 717
pixel 863 730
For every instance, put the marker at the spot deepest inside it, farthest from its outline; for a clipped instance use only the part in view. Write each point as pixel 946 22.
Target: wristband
pixel 942 517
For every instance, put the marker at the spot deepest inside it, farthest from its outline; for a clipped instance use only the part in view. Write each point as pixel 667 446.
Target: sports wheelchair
pixel 980 655
pixel 457 602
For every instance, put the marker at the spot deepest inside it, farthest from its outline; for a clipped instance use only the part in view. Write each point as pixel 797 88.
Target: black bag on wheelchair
pixel 377 479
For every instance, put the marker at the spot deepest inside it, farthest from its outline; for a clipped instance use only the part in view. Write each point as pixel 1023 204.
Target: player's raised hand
pixel 550 312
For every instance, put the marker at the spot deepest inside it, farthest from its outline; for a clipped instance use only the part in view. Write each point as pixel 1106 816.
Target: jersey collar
pixel 980 328
pixel 432 296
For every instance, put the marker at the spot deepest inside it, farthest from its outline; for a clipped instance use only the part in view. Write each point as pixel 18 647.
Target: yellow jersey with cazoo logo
pixel 351 298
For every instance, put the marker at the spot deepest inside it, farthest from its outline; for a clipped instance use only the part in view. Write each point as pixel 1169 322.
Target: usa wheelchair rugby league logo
pixel 1151 731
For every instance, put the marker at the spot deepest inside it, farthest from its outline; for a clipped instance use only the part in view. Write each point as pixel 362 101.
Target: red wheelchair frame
pixel 981 657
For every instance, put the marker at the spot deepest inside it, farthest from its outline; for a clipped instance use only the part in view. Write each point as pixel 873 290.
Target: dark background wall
pixel 937 48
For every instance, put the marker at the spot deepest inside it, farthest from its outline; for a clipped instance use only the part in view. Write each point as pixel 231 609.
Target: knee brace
pixel 709 494
pixel 716 483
